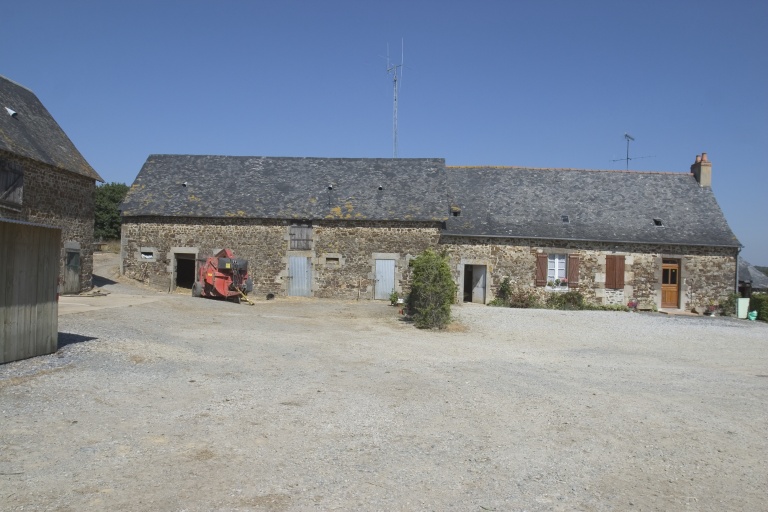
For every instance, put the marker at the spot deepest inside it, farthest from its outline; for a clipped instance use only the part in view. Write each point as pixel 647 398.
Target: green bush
pixel 505 291
pixel 605 307
pixel 567 300
pixel 728 306
pixel 523 299
pixel 432 291
pixel 759 302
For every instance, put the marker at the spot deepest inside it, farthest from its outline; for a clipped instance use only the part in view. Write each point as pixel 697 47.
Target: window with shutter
pixel 573 270
pixel 11 184
pixel 541 270
pixel 301 237
pixel 614 272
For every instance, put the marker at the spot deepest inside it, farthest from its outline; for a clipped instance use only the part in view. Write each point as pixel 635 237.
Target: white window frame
pixel 557 272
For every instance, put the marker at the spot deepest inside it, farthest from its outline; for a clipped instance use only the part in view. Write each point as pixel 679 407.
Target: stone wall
pixel 706 273
pixel 59 198
pixel 342 256
pixel 342 253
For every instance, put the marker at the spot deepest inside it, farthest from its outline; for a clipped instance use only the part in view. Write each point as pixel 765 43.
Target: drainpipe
pixel 738 250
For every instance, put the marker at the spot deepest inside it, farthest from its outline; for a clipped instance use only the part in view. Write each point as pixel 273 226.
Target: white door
pixel 478 284
pixel 385 279
pixel 299 276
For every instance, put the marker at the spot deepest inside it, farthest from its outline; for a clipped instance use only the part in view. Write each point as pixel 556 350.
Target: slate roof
pixel 748 273
pixel 33 133
pixel 611 206
pixel 289 188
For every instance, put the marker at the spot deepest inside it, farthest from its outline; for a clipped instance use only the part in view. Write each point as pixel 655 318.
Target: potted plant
pixel 711 308
pixel 393 297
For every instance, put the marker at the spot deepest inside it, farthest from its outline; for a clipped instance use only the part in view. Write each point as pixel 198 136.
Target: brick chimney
pixel 702 170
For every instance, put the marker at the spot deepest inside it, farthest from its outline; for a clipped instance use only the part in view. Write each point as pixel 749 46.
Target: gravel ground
pixel 192 404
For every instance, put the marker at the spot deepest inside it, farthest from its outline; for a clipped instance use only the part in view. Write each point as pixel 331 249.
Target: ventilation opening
pixel 147 255
pixel 455 211
pixel 658 222
pixel 565 219
pixel 332 261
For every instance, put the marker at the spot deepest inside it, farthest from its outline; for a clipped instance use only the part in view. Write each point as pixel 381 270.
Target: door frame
pixel 671 264
pixel 378 294
pixel 487 285
pixel 289 278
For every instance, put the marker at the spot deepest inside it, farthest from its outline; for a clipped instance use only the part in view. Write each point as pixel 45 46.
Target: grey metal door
pixel 299 276
pixel 385 279
pixel 478 284
pixel 72 272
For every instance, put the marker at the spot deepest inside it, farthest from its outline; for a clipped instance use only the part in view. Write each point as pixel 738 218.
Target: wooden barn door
pixel 72 272
pixel 670 283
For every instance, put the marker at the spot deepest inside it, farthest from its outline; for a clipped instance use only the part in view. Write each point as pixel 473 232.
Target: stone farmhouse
pixel 45 180
pixel 347 228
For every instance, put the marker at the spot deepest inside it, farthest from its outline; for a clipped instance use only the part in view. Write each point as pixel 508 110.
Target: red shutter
pixel 619 272
pixel 610 272
pixel 541 269
pixel 573 270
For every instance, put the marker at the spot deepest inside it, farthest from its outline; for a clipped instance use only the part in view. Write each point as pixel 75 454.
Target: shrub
pixel 605 307
pixel 759 302
pixel 523 299
pixel 498 303
pixel 505 291
pixel 567 300
pixel 432 291
pixel 728 306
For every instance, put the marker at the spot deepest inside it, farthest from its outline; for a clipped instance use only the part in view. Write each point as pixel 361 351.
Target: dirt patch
pixel 194 404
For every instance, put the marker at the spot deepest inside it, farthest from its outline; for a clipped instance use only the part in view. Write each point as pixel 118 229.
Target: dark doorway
pixel 467 283
pixel 185 270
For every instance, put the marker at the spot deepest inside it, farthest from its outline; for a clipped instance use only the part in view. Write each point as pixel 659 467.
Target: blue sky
pixel 526 83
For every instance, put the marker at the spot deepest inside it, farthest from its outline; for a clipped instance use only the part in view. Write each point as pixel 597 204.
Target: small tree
pixel 432 291
pixel 505 291
pixel 107 212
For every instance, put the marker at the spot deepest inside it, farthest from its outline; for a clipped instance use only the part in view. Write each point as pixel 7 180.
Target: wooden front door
pixel 670 283
pixel 72 272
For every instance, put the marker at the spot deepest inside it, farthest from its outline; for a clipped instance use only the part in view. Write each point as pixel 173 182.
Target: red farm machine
pixel 223 277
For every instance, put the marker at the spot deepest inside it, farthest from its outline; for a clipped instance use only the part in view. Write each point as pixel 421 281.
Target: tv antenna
pixel 393 70
pixel 630 138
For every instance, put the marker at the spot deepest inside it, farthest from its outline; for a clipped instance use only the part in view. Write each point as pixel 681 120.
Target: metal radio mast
pixel 393 70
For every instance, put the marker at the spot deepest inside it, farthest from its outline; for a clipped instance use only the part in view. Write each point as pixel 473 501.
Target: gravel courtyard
pixel 185 404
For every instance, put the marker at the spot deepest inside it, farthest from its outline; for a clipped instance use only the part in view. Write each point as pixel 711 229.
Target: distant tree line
pixel 107 215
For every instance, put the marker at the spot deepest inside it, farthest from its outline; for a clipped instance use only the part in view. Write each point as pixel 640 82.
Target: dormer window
pixel 658 223
pixel 565 219
pixel 455 211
